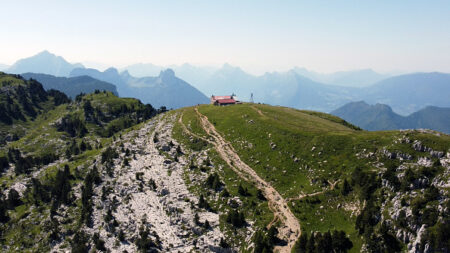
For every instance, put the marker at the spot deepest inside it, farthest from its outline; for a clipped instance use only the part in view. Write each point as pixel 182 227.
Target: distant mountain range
pixel 298 88
pixel 405 93
pixel 71 86
pixel 194 75
pixel 44 63
pixel 354 78
pixel 163 90
pixel 381 117
pixel 286 89
pixel 198 75
pixel 54 72
pixel 409 93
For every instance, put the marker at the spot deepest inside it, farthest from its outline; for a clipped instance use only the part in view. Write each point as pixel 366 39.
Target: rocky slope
pixel 150 192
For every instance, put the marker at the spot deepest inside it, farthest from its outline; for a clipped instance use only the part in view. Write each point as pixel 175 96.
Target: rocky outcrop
pixel 396 155
pixel 167 210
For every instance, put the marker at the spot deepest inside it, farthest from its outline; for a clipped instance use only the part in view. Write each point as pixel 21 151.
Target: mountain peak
pixel 45 53
pixel 111 71
pixel 168 73
pixel 44 62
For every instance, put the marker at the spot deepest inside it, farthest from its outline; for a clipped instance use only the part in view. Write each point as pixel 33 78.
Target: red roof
pixel 226 101
pixel 221 97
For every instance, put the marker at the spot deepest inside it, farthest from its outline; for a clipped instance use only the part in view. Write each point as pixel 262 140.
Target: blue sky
pixel 259 36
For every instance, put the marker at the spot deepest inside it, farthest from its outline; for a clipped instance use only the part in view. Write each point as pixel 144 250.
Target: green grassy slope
pixel 303 152
pixel 254 209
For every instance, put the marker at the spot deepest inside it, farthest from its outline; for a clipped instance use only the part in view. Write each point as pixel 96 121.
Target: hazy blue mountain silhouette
pixel 381 117
pixel 45 63
pixel 409 93
pixel 276 88
pixel 406 93
pixel 71 86
pixel 144 69
pixel 194 75
pixel 163 90
pixel 354 78
pixel 297 88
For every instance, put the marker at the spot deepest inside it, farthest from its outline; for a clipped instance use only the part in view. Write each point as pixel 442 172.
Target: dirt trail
pixel 180 120
pixel 303 195
pixel 290 227
pixel 258 110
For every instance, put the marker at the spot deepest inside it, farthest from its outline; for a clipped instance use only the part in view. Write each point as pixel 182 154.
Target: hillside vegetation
pixel 386 190
pixel 21 102
pixel 41 163
pixel 102 173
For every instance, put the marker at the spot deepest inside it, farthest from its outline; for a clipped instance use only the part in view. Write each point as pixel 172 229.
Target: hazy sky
pixel 256 35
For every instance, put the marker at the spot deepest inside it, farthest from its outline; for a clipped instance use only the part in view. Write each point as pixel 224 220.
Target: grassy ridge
pixel 255 210
pixel 302 152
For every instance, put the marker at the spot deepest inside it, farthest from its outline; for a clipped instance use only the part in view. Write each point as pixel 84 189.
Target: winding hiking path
pixel 290 227
pixel 304 195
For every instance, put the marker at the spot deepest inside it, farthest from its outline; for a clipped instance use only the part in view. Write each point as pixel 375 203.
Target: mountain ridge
pixel 405 93
pixel 72 86
pixel 351 78
pixel 163 90
pixel 382 117
pixel 45 63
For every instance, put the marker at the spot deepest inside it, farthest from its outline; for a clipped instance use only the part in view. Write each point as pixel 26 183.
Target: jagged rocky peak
pixel 167 74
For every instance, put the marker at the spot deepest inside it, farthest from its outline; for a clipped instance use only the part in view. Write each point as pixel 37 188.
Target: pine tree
pixel 300 245
pixel 223 244
pixel 346 188
pixel 98 242
pixel 260 195
pixel 3 211
pixel 196 219
pixel 310 246
pixel 79 242
pixel 206 224
pixel 13 199
pixel 242 191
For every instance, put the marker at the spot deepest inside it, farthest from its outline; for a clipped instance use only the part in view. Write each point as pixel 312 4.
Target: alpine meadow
pixel 290 127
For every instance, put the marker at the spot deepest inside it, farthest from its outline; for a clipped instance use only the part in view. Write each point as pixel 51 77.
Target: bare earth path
pixel 302 195
pixel 290 227
pixel 258 110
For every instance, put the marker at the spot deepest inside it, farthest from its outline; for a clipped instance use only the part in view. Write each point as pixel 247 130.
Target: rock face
pixel 168 210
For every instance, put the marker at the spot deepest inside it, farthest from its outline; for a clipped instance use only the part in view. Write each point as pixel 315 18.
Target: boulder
pixel 437 154
pixel 163 192
pixel 417 146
